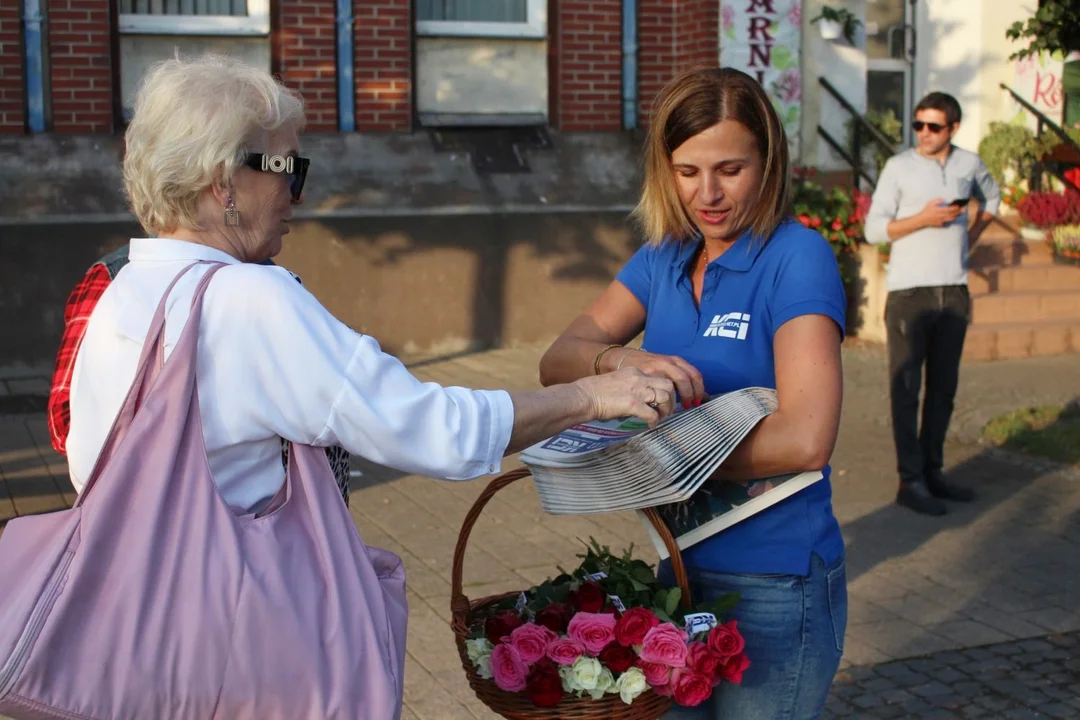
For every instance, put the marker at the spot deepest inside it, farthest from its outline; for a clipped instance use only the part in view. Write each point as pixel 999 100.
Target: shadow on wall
pixel 432 284
pixel 422 285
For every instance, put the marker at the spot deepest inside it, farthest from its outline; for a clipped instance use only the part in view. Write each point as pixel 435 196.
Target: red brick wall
pixel 81 77
pixel 12 102
pixel 588 71
pixel 383 65
pixel 307 58
pixel 673 35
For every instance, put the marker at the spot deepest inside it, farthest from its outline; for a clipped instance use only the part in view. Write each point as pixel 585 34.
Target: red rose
pixel 726 640
pixel 691 688
pixel 632 626
pixel 703 660
pixel 554 617
pixel 617 658
pixel 589 598
pixel 500 625
pixel 733 668
pixel 543 687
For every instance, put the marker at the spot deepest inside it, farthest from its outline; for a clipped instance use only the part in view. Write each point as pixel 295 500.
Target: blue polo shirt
pixel 749 292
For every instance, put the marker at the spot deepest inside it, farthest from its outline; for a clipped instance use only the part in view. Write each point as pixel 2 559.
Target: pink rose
pixel 691 688
pixel 531 641
pixel 565 651
pixel 726 640
pixel 593 630
pixel 508 669
pixel 665 644
pixel 656 674
pixel 703 660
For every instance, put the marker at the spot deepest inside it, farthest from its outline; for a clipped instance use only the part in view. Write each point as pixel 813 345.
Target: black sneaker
pixel 939 488
pixel 915 496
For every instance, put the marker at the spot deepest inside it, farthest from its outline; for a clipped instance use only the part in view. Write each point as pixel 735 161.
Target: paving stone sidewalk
pixel 997 572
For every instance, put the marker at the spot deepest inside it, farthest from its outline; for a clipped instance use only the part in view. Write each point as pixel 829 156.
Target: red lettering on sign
pixel 760 25
pixel 762 53
pixel 761 6
pixel 1048 90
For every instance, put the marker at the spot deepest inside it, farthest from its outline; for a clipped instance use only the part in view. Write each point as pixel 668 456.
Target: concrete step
pixel 1024 278
pixel 1025 307
pixel 1020 340
pixel 994 252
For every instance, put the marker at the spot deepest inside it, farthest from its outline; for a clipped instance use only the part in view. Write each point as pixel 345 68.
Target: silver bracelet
pixel 625 355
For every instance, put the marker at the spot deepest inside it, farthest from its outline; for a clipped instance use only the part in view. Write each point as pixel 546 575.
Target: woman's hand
pixel 628 392
pixel 688 381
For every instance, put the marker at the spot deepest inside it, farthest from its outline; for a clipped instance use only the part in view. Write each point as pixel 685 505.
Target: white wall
pixel 481 76
pixel 845 67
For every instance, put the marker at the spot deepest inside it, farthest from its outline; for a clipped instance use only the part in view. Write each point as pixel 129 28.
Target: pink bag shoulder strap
pixel 150 362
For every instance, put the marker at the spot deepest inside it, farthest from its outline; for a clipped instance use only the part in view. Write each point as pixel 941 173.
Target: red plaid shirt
pixel 80 304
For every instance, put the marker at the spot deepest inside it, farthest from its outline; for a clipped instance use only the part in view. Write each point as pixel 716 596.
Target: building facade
pixel 486 148
pixel 399 66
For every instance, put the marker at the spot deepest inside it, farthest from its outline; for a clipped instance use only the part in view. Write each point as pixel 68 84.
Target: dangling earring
pixel 232 216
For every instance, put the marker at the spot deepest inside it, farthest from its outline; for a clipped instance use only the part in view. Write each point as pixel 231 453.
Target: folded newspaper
pixel 608 466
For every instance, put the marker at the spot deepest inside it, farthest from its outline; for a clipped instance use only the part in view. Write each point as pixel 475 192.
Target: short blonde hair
pixel 692 102
pixel 194 121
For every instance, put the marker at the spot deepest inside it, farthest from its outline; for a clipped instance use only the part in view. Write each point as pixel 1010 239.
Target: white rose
pixel 587 672
pixel 631 684
pixel 569 684
pixel 604 683
pixel 483 666
pixel 478 648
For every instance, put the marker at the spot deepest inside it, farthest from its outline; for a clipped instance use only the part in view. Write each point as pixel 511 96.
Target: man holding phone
pixel 921 208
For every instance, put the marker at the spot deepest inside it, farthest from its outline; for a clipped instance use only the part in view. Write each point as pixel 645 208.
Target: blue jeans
pixel 794 629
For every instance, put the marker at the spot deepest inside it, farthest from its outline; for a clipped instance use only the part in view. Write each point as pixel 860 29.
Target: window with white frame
pixel 482 18
pixel 195 17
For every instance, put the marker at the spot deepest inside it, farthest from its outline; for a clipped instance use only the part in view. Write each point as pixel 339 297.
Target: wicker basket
pixel 647 706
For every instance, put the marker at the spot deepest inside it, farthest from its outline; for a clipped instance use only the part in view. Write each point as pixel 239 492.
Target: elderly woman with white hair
pixel 213 170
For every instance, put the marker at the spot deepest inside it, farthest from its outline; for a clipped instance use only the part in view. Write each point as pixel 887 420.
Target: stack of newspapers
pixel 608 466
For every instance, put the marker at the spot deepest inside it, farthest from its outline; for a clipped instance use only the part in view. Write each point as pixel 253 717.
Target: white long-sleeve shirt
pixel 273 363
pixel 932 256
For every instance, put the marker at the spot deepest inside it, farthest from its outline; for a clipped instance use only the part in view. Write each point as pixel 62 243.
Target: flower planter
pixel 1066 256
pixel 1032 233
pixel 830 29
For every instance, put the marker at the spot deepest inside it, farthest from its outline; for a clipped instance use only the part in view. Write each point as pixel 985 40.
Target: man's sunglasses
pixel 918 126
pixel 294 168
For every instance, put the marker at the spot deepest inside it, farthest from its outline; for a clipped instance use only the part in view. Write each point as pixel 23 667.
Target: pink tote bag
pixel 151 599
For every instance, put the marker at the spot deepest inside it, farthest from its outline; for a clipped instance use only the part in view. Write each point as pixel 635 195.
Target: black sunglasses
pixel 918 125
pixel 294 168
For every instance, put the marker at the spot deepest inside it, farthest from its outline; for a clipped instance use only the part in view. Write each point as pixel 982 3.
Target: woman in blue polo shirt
pixel 732 293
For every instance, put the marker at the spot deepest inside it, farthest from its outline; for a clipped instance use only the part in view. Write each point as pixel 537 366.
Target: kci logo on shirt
pixel 729 325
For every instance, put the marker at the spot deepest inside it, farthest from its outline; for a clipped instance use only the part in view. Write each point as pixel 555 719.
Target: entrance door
pixel 890 54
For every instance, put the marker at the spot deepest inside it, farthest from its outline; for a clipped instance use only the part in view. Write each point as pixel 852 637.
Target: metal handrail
pixel 1042 118
pixel 856 167
pixel 875 134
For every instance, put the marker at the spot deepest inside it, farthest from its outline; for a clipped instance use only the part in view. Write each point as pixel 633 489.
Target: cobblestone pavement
pixel 1038 678
pixel 997 572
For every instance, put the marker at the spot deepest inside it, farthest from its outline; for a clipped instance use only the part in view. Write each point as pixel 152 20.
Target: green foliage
pixel 847 21
pixel 1050 431
pixel 886 122
pixel 632 580
pixel 1054 28
pixel 1066 237
pixel 1009 147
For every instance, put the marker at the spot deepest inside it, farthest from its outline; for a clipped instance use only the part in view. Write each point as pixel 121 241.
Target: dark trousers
pixel 926 326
